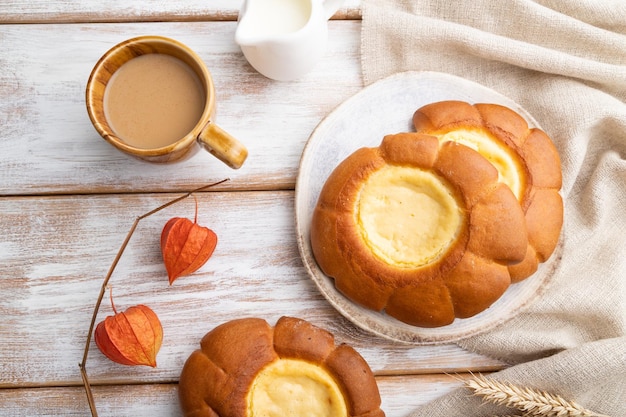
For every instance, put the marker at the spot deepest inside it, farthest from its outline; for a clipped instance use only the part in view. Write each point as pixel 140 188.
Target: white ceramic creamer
pixel 284 39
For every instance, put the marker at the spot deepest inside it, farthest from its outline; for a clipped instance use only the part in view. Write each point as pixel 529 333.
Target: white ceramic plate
pixel 387 107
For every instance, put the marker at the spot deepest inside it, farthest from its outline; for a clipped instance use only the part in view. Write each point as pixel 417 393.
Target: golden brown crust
pixel 216 378
pixel 292 339
pixel 421 296
pixel 540 170
pixel 213 381
pixel 356 381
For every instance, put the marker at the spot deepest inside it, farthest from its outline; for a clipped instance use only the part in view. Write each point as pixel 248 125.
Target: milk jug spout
pixel 284 39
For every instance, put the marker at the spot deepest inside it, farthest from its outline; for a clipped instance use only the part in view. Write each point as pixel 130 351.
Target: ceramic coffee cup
pixel 205 134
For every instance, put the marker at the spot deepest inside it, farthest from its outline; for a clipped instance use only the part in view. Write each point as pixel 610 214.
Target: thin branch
pixel 83 364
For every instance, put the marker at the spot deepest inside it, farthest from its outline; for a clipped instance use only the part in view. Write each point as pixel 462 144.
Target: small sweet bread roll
pixel 246 368
pixel 421 230
pixel 526 159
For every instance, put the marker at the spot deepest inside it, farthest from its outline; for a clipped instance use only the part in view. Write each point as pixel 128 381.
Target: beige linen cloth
pixel 564 61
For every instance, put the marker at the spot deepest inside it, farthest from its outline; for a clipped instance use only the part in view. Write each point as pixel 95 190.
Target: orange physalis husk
pixel 133 337
pixel 186 246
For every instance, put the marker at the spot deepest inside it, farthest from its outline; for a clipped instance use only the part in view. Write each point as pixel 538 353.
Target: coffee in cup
pixel 153 98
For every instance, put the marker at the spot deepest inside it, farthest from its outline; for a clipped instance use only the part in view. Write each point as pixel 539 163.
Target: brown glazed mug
pixel 205 133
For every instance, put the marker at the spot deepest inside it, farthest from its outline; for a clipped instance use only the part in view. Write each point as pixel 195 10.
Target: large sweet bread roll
pixel 246 368
pixel 420 229
pixel 526 159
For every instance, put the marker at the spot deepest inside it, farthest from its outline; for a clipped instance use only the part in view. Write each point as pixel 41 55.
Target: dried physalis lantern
pixel 133 337
pixel 186 246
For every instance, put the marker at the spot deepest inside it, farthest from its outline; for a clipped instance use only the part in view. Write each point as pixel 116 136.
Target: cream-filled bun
pixel 246 368
pixel 420 229
pixel 526 160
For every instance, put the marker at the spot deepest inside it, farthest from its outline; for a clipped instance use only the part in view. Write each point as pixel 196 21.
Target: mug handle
pixel 330 7
pixel 222 145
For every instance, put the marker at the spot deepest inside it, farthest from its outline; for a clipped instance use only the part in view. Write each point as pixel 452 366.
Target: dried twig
pixel 529 401
pixel 82 364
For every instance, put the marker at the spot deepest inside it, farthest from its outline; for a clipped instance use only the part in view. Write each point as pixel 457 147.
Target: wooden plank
pixel 400 395
pixel 55 252
pixel 69 11
pixel 50 146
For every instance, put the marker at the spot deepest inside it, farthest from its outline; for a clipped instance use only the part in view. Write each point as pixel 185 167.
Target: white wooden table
pixel 68 199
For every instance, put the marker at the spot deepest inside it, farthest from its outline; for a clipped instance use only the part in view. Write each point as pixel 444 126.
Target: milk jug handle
pixel 330 7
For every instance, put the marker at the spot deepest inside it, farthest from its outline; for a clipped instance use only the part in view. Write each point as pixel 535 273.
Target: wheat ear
pixel 531 402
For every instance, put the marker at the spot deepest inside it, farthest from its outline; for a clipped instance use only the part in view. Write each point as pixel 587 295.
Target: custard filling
pixel 408 217
pixel 293 387
pixel 501 157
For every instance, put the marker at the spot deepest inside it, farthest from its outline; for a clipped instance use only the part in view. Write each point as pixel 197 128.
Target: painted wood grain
pixel 71 11
pixel 55 252
pixel 50 146
pixel 399 394
pixel 68 199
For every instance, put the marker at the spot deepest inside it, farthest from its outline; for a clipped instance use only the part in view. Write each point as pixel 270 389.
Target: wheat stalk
pixel 531 402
